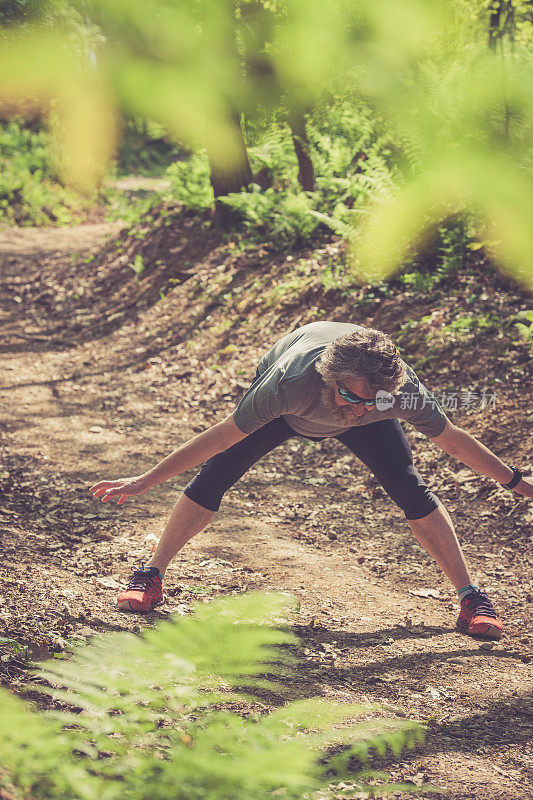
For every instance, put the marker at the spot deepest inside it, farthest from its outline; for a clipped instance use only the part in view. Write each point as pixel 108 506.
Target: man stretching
pixel 325 379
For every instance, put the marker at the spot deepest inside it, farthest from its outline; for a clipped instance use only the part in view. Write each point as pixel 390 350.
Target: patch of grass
pixel 464 325
pixel 223 326
pixel 200 591
pixel 285 290
pixel 130 209
pixel 335 276
pixel 406 329
pixel 421 280
pixel 445 256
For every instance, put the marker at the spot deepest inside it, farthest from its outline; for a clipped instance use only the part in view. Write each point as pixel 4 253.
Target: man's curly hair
pixel 365 353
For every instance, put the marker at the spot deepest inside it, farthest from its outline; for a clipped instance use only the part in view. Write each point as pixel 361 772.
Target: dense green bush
pixel 152 717
pixel 189 182
pixel 30 193
pixel 145 149
pixel 352 158
pixel 282 217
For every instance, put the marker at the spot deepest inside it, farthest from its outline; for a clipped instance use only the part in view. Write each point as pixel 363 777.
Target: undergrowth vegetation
pixel 145 149
pixel 352 159
pixel 30 192
pixel 159 716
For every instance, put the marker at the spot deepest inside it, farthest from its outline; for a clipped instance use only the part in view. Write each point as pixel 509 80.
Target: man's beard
pixel 341 414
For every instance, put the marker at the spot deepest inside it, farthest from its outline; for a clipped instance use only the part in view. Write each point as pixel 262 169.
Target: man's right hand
pixel 207 444
pixel 121 488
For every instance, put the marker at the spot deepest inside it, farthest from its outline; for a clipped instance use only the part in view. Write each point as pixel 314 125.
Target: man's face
pixel 344 411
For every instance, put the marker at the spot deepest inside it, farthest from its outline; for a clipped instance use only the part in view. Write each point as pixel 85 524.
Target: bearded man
pixel 323 380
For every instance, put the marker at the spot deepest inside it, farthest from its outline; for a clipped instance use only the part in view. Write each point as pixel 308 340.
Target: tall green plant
pixel 150 717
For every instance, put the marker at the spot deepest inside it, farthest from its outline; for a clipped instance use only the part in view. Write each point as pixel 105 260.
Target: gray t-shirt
pixel 288 386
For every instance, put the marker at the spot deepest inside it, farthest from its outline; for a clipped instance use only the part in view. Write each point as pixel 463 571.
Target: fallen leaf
pixel 231 348
pixel 85 631
pixel 425 592
pixel 417 779
pixel 109 583
pixel 501 771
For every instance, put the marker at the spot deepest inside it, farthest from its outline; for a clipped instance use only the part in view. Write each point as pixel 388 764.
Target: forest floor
pixel 103 373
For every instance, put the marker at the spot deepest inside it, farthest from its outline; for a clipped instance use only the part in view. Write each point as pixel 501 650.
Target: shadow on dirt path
pixel 306 520
pixel 49 301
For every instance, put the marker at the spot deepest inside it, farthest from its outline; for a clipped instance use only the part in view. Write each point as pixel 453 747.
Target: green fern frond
pixel 152 718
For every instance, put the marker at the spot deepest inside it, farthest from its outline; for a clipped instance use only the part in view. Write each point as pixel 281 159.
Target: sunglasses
pixel 353 398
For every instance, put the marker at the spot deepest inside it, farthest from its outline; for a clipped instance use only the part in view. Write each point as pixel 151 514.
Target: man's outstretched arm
pixel 197 450
pixel 461 445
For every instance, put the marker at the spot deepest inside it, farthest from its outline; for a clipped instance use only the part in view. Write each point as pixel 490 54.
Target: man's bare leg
pixel 436 534
pixel 186 520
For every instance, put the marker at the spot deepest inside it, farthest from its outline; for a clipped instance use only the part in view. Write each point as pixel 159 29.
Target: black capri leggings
pixel 382 446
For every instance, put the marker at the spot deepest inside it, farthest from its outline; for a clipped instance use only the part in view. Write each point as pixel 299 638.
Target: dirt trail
pixel 18 242
pixel 71 415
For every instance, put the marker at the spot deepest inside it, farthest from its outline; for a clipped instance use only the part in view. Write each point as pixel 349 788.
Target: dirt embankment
pixel 105 371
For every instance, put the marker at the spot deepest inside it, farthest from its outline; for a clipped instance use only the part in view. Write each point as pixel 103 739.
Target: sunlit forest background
pixel 383 122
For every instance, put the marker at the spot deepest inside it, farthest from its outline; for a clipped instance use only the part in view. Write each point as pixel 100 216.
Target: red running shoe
pixel 144 592
pixel 478 618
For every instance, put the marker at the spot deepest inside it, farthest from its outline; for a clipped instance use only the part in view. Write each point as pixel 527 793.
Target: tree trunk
pixel 494 26
pixel 306 173
pixel 225 181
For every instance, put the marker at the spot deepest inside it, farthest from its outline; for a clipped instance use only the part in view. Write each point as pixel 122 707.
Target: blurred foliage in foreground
pixel 453 81
pixel 153 718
